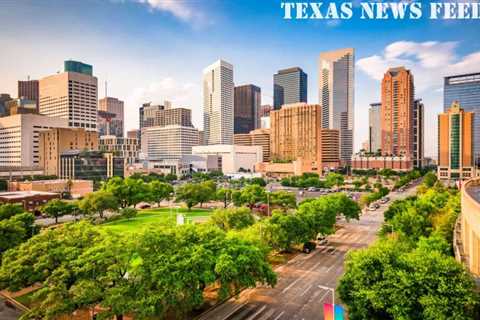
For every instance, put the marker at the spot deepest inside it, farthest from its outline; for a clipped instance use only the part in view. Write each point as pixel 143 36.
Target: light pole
pixel 333 296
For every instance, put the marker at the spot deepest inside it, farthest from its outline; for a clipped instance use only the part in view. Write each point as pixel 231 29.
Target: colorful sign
pixel 328 312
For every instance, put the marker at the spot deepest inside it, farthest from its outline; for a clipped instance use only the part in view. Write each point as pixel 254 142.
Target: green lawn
pixel 151 217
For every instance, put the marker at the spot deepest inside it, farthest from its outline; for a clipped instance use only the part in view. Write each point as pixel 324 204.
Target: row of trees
pixel 410 272
pixel 160 272
pixel 307 180
pixel 284 229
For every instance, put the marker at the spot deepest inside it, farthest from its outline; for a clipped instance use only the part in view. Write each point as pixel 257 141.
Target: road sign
pixel 328 309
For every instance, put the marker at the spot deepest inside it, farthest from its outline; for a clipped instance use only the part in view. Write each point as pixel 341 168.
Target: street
pixel 297 294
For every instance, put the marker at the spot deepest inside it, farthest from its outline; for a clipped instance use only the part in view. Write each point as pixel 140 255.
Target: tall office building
pixel 296 132
pixel 374 128
pixel 218 92
pixel 115 106
pixel 71 95
pixel 247 104
pixel 465 89
pixel 4 98
pixel 398 93
pixel 55 141
pixel 126 148
pixel 336 95
pixel 29 90
pixel 173 116
pixel 418 145
pixel 147 114
pixel 289 86
pixel 455 144
pixel 104 122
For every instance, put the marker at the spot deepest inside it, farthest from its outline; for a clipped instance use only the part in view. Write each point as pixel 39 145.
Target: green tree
pixel 56 208
pixel 159 191
pixel 284 230
pixel 430 179
pixel 251 194
pixel 12 234
pixel 128 191
pixel 233 218
pixel 8 210
pixel 334 179
pixel 391 281
pixel 189 193
pixel 283 199
pixel 224 195
pixel 98 202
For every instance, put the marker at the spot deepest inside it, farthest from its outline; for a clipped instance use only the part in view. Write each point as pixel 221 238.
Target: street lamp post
pixel 333 296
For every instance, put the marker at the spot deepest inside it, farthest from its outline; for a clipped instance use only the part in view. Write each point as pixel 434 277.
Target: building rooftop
pixel 474 192
pixel 24 194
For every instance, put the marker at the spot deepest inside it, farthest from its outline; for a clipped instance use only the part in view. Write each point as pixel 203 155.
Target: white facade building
pixel 168 142
pixel 218 94
pixel 19 138
pixel 336 95
pixel 126 148
pixel 231 158
pixel 71 96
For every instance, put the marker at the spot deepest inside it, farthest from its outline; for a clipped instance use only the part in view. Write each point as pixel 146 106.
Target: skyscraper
pixel 29 90
pixel 247 104
pixel 147 114
pixel 374 128
pixel 398 93
pixel 115 106
pixel 289 86
pixel 218 92
pixel 455 144
pixel 418 145
pixel 465 89
pixel 71 95
pixel 336 95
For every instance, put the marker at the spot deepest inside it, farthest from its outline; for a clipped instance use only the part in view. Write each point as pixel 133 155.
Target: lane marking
pixel 257 313
pixel 291 285
pixel 305 291
pixel 323 297
pixel 278 317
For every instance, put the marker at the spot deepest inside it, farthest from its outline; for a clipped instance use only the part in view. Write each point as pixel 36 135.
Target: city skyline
pixel 153 75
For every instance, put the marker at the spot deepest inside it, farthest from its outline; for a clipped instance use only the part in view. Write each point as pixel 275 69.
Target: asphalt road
pixel 297 294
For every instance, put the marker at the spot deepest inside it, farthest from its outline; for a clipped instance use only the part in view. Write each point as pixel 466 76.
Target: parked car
pixel 373 206
pixel 309 247
pixel 312 189
pixel 330 249
pixel 384 200
pixel 322 242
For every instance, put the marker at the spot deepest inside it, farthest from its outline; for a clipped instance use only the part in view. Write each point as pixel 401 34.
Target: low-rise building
pixel 185 166
pixel 77 188
pixel 366 162
pixel 230 158
pixel 466 236
pixel 126 148
pixel 258 137
pixel 30 200
pixel 90 165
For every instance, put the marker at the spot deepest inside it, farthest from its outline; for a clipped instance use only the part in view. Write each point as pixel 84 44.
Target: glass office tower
pixel 465 88
pixel 289 86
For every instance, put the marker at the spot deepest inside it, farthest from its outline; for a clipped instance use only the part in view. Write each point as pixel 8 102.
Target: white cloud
pixel 429 61
pixel 181 9
pixel 185 95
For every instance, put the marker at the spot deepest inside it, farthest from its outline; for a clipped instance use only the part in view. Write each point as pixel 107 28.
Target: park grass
pixel 153 217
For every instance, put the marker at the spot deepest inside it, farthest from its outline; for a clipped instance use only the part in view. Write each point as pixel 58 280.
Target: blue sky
pixel 152 50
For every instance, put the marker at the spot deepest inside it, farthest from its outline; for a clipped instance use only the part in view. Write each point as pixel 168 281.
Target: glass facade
pixel 455 142
pixel 79 67
pixel 289 86
pixel 91 165
pixel 465 89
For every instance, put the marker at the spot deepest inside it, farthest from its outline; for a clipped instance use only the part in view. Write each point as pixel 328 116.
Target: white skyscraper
pixel 218 90
pixel 336 92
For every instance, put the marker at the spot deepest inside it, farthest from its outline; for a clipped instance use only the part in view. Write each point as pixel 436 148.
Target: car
pixel 373 207
pixel 313 189
pixel 308 247
pixel 320 237
pixel 322 242
pixel 384 200
pixel 330 249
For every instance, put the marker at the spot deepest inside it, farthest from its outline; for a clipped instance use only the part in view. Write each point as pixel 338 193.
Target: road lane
pixel 297 295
